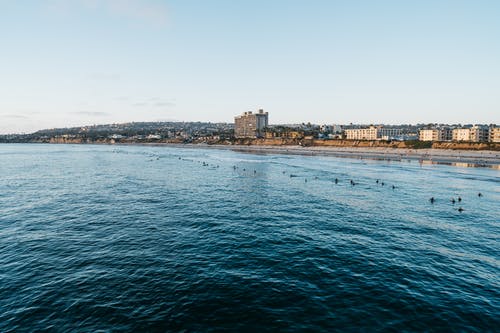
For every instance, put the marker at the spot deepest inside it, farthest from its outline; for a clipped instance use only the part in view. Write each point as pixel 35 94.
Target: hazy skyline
pixel 82 62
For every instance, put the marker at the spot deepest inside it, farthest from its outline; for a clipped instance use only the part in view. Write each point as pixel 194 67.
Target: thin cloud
pixel 164 104
pixel 14 116
pixel 93 113
pixel 154 102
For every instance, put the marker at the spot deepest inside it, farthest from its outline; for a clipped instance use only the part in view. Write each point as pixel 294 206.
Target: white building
pixel 428 135
pixel 372 133
pixel 479 133
pixel 461 134
pixel 494 134
pixel 435 134
pixel 475 133
pixel 336 128
pixel 361 133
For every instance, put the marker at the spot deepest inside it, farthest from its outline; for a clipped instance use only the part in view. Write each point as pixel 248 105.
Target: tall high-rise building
pixel 250 125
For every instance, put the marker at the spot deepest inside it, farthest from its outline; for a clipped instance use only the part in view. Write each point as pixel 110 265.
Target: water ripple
pixel 100 238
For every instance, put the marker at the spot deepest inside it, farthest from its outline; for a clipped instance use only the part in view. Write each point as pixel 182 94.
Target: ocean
pixel 161 239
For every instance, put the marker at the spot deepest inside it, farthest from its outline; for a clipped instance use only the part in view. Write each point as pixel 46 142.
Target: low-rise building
pixel 479 133
pixel 385 133
pixel 494 134
pixel 372 133
pixel 435 134
pixel 461 134
pixel 476 133
pixel 369 133
pixel 429 134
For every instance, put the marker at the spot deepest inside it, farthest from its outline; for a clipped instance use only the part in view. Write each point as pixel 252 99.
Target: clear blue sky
pixel 67 63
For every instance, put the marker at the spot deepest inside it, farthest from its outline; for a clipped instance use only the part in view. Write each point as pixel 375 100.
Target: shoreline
pixel 465 158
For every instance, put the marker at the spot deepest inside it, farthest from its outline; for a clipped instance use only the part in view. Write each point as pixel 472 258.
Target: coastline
pixel 424 156
pixel 464 158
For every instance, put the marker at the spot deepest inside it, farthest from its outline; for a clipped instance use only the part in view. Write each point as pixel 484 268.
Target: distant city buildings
pixel 251 125
pixel 468 133
pixel 255 125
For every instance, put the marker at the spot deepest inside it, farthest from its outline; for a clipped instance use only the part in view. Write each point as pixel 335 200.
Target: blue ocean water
pixel 134 238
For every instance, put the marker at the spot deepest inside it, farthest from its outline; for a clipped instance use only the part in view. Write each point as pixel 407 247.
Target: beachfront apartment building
pixel 369 133
pixel 461 134
pixel 435 134
pixel 251 125
pixel 494 134
pixel 476 133
pixel 429 135
pixel 372 133
pixel 479 133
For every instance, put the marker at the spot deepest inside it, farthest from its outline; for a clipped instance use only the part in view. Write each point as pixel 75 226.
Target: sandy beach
pixel 463 158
